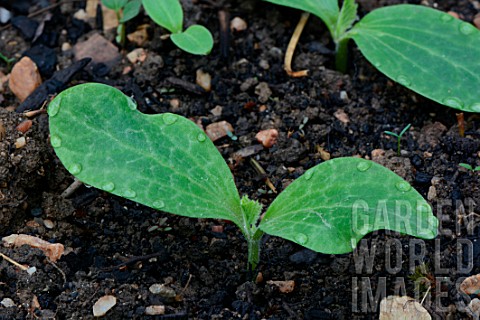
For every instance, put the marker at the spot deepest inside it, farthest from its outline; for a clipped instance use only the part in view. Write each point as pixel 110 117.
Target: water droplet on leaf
pixel 56 141
pixel 159 204
pixel 132 105
pixel 403 186
pixel 364 166
pixel 453 102
pixel 403 80
pixel 169 118
pixel 377 64
pixel 201 137
pixel 301 238
pixel 54 107
pixel 446 17
pixel 129 193
pixel 466 28
pixel 309 174
pixel 109 186
pixel 75 168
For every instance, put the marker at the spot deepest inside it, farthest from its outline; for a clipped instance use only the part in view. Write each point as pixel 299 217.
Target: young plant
pixel 8 61
pixel 469 167
pixel 398 136
pixel 168 14
pixel 125 10
pixel 166 162
pixel 426 50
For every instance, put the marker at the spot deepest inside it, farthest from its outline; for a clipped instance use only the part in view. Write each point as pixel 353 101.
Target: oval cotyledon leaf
pixel 425 50
pixel 336 203
pixel 163 161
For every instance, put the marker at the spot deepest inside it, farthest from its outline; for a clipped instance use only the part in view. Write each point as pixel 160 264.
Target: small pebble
pixel 24 78
pixel 204 80
pixel 5 15
pixel 264 64
pixel 283 286
pixel 66 46
pixel 20 142
pixel 217 228
pixel 343 95
pixel 155 310
pixel 432 193
pixel 162 291
pixel 376 153
pixel 263 91
pixel 105 303
pixel 342 116
pixel 217 111
pixel 81 15
pixel 7 303
pixel 218 130
pixel 24 126
pixel 267 137
pixel 238 24
pixel 49 224
pixel 137 55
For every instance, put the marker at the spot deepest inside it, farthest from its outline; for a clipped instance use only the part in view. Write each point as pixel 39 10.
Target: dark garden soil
pixel 117 247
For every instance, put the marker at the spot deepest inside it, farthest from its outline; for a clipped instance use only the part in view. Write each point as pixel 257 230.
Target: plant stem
pixel 341 55
pixel 292 45
pixel 254 251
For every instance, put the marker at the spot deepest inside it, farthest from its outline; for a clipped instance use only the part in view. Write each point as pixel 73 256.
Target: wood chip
pixel 24 78
pixel 52 250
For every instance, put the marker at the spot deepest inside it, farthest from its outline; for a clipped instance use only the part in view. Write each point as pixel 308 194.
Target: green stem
pixel 341 55
pixel 254 249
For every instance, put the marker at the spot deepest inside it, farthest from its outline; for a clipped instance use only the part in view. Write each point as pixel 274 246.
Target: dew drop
pixel 446 17
pixel 474 107
pixel 403 186
pixel 56 141
pixel 301 238
pixel 377 64
pixel 466 28
pixel 54 107
pixel 453 102
pixel 75 168
pixel 169 118
pixel 159 204
pixel 132 105
pixel 403 80
pixel 109 186
pixel 201 137
pixel 129 193
pixel 364 166
pixel 309 174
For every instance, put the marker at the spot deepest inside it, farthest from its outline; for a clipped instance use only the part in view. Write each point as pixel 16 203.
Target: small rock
pixel 259 278
pixel 5 15
pixel 140 36
pixel 24 78
pixel 105 303
pixel 378 153
pixel 262 90
pixel 283 286
pixel 81 15
pixel 247 84
pixel 217 111
pixel 110 20
pixel 217 228
pixel 264 64
pixel 218 130
pixel 137 55
pixel 48 224
pixel 474 308
pixel 155 310
pixel 431 134
pixel 7 303
pixel 395 307
pixel 99 49
pixel 27 26
pixel 344 95
pixel 66 46
pixel 342 116
pixel 204 80
pixel 20 142
pixel 24 126
pixel 162 290
pixel 267 137
pixel 174 104
pixel 238 24
pixel 432 193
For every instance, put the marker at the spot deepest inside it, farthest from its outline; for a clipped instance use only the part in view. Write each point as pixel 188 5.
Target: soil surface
pixel 117 247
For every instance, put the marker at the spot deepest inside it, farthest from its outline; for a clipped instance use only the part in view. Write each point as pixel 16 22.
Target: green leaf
pixel 327 10
pixel 114 4
pixel 334 204
pixel 131 10
pixel 390 133
pixel 195 40
pixel 347 16
pixel 466 166
pixel 166 13
pixel 426 50
pixel 163 161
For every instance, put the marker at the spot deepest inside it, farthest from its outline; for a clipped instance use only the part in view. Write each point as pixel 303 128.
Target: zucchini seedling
pixel 167 162
pixel 398 136
pixel 423 49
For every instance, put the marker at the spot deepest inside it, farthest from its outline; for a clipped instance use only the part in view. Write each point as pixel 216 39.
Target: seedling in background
pixel 469 167
pixel 125 10
pixel 423 49
pixel 168 14
pixel 8 61
pixel 167 162
pixel 398 136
